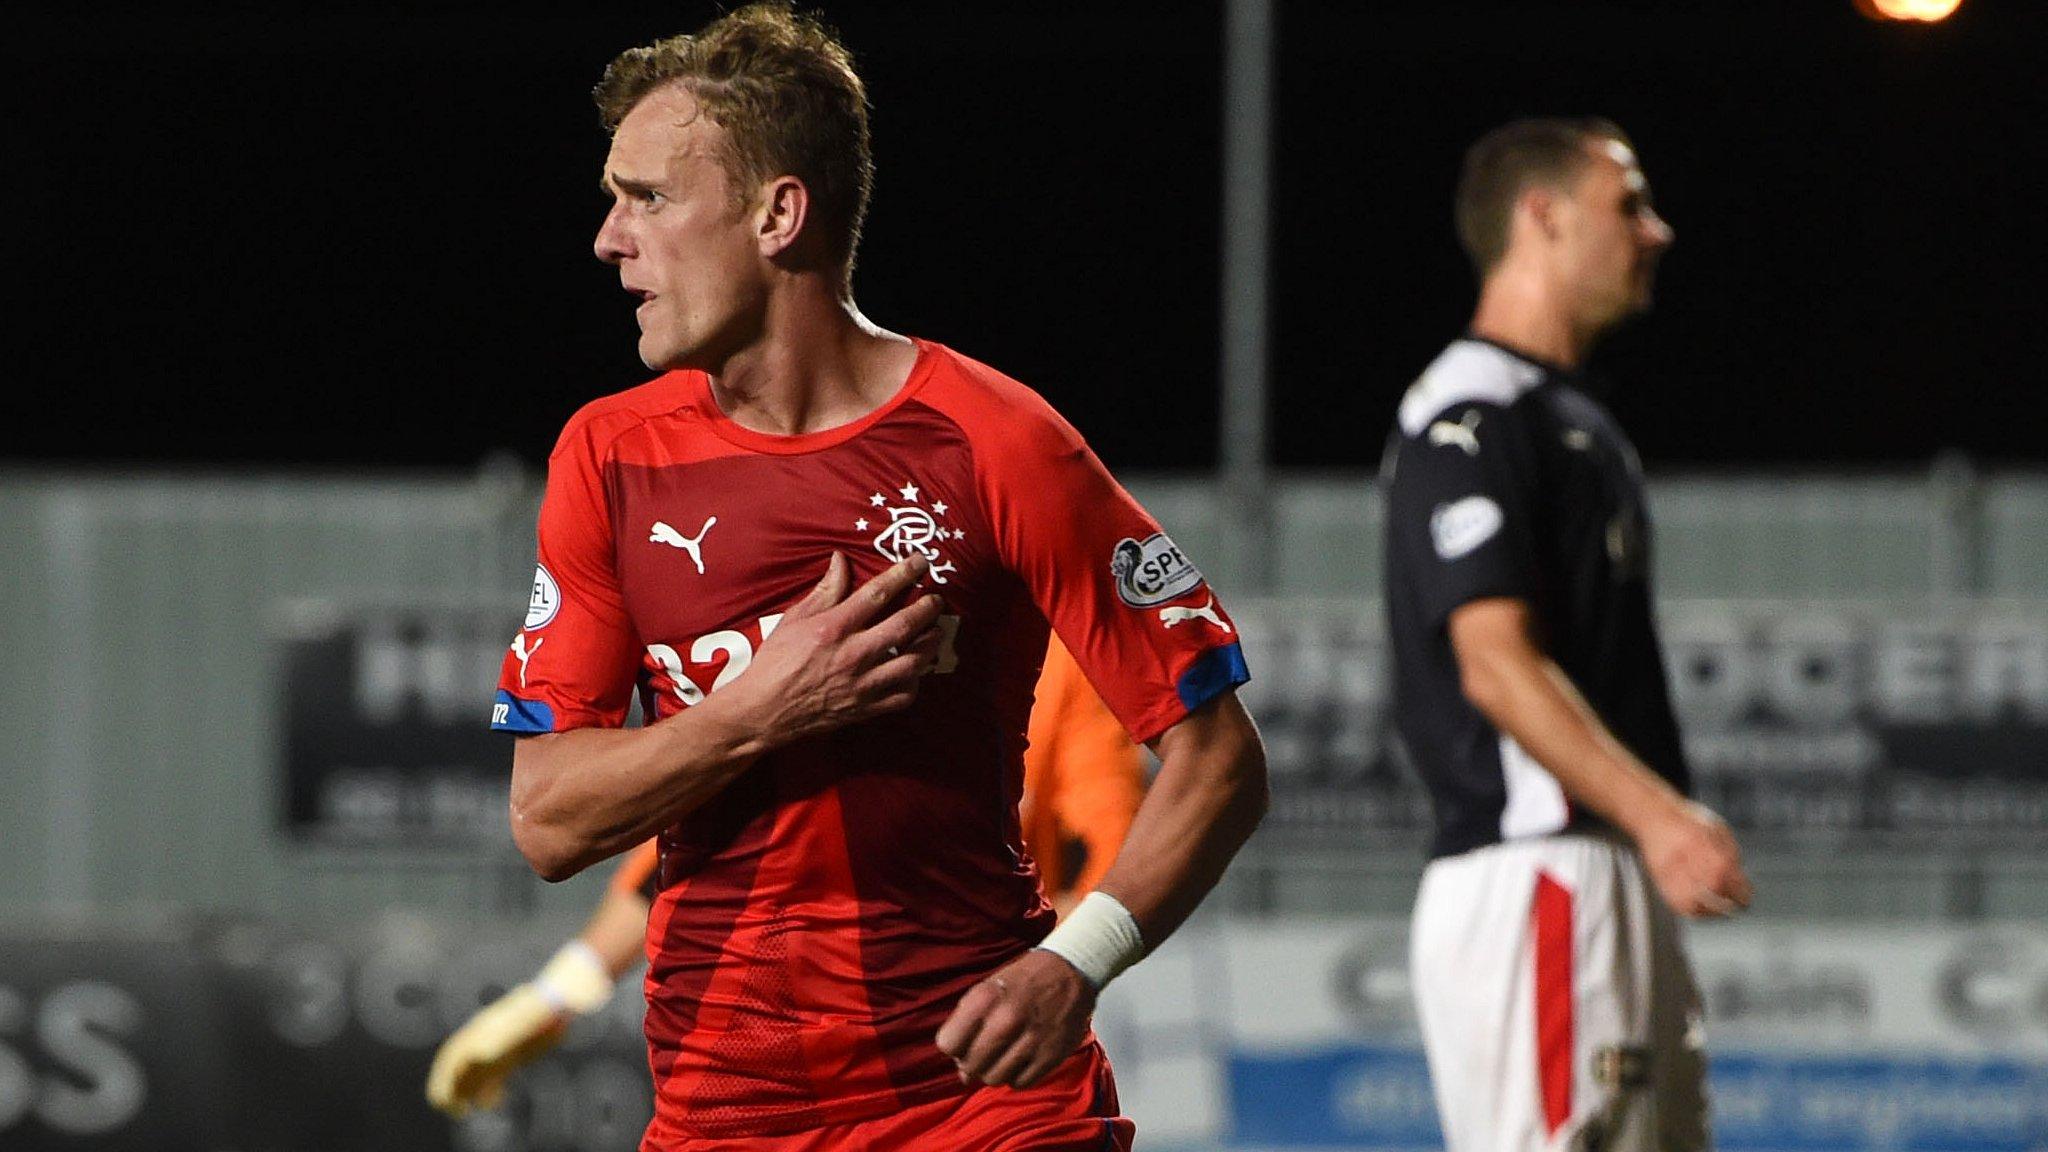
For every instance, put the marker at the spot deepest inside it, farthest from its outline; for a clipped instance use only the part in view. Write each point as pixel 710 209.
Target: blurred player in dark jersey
pixel 1556 1003
pixel 849 946
pixel 1083 781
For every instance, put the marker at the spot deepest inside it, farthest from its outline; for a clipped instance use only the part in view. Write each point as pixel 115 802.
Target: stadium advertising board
pixel 1822 1039
pixel 1238 1035
pixel 205 1035
pixel 1798 717
pixel 386 735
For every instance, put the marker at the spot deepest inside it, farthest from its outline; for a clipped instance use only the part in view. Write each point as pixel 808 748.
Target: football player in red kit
pixel 849 948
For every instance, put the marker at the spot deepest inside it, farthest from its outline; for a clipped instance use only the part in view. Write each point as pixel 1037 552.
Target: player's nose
pixel 1658 234
pixel 612 244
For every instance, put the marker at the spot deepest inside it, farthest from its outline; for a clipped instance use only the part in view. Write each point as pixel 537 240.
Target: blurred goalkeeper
pixel 1083 781
pixel 471 1066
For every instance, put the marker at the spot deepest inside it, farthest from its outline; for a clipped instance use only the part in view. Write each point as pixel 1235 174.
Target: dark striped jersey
pixel 818 920
pixel 1502 478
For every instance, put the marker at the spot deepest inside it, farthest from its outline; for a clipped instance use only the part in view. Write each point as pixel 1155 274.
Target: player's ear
pixel 785 208
pixel 1537 210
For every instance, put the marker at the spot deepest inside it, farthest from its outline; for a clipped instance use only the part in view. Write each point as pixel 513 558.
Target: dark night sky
pixel 359 234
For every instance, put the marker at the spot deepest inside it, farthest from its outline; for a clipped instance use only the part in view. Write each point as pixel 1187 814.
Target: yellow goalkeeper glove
pixel 471 1067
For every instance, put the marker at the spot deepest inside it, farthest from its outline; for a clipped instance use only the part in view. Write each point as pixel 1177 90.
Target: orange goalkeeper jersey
pixel 636 872
pixel 1082 778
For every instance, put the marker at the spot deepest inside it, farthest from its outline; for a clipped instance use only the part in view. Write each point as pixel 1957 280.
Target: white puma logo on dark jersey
pixel 1464 434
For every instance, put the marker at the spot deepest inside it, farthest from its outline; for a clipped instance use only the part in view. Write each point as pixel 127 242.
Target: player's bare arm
pixel 1689 852
pixel 1209 795
pixel 582 796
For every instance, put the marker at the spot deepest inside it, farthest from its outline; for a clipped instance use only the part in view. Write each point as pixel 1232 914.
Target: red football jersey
pixel 818 919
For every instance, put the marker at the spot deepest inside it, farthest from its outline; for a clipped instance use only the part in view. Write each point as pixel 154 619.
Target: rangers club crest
pixel 911 528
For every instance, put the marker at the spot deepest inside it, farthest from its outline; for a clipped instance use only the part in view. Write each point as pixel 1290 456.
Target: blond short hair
pixel 784 90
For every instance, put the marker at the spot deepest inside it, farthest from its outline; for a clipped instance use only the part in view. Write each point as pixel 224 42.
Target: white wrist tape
pixel 576 980
pixel 1099 938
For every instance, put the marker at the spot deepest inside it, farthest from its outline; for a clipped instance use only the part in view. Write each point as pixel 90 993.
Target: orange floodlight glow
pixel 1920 11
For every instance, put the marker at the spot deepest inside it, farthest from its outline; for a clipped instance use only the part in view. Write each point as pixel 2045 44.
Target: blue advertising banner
pixel 1363 1095
pixel 1299 1033
pixel 1377 1096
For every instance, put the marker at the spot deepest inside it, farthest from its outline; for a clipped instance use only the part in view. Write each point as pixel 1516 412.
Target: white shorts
pixel 1557 1007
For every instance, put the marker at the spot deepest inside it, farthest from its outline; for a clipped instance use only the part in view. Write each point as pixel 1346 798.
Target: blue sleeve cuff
pixel 1216 672
pixel 528 717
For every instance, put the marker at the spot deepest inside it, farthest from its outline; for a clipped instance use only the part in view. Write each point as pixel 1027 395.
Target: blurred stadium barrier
pixel 250 714
pixel 207 1033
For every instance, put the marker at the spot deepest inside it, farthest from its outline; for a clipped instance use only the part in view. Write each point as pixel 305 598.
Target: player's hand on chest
pixel 707 571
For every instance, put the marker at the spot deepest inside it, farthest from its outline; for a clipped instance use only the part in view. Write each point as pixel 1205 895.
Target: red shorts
pixel 1073 1109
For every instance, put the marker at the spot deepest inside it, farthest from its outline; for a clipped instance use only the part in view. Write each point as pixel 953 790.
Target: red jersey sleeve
pixel 1133 609
pixel 574 663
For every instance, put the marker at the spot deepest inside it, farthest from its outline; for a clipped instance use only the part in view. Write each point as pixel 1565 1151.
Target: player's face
pixel 681 244
pixel 1611 237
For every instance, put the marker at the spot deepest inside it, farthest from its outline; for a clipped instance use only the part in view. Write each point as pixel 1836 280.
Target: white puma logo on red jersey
pixel 1171 616
pixel 694 545
pixel 524 653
